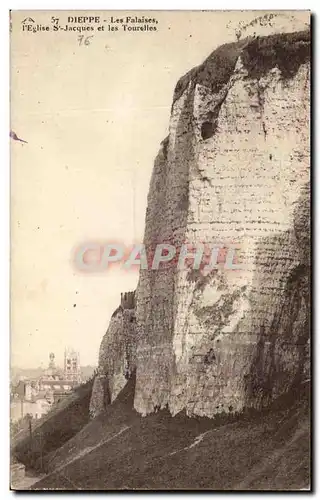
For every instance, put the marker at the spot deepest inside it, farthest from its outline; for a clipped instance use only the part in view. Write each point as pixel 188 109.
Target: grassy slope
pixel 122 450
pixel 54 429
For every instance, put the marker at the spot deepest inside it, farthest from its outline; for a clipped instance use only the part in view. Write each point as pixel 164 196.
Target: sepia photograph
pixel 160 274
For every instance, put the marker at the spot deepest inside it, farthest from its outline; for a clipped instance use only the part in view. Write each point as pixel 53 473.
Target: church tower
pixel 52 365
pixel 72 370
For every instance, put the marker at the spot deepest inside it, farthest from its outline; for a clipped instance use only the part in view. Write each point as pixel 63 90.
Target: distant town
pixel 34 392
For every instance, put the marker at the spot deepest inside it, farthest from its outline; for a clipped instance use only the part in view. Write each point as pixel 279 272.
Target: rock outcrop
pixel 100 396
pixel 234 169
pixel 117 356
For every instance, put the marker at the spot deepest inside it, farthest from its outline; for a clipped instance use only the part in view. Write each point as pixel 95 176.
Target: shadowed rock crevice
pixel 282 358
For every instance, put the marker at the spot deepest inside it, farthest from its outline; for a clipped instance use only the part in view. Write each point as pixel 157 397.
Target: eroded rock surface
pixel 117 356
pixel 234 169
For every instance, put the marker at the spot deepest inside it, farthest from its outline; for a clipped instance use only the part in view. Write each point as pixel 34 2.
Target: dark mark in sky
pixel 14 136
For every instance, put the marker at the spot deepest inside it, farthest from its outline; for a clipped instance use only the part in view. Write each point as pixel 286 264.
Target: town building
pixel 37 396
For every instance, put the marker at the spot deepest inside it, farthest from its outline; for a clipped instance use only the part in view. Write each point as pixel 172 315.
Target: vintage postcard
pixel 160 248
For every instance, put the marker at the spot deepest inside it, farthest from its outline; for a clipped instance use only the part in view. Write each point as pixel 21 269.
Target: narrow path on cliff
pixel 197 440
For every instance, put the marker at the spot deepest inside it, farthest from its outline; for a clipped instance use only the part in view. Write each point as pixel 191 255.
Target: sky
pixel 93 117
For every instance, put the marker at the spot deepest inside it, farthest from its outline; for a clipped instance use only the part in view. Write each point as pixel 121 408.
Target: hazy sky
pixel 93 117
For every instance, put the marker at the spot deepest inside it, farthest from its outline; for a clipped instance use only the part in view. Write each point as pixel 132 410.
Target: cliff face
pixel 234 169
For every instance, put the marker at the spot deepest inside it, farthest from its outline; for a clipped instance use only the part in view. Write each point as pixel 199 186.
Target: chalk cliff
pixel 234 169
pixel 117 356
